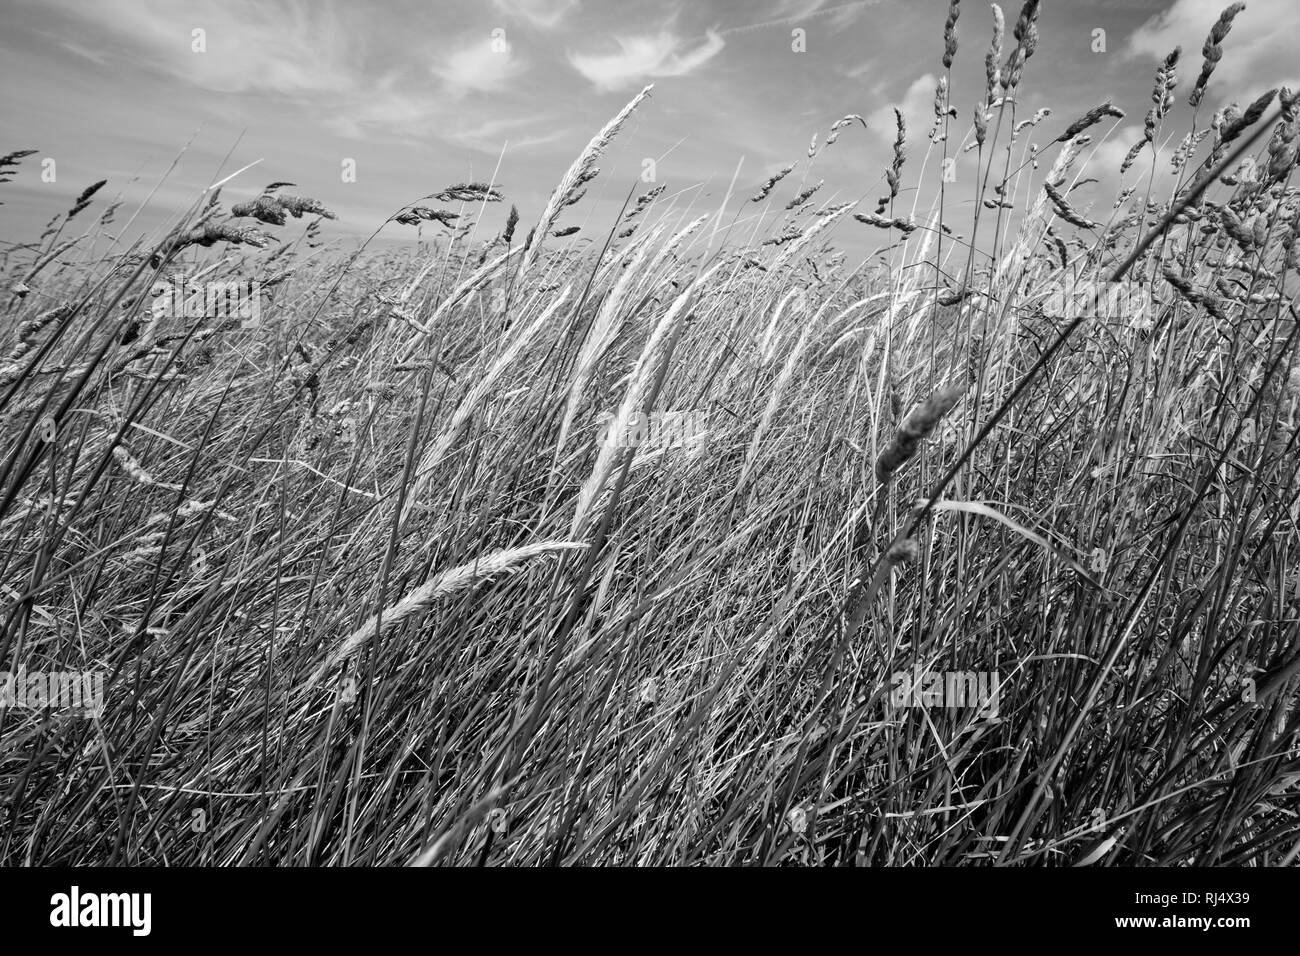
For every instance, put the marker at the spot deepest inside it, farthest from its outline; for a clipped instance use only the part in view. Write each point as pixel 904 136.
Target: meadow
pixel 500 548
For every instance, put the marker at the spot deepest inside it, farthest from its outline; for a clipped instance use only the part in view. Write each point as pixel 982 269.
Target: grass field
pixel 496 548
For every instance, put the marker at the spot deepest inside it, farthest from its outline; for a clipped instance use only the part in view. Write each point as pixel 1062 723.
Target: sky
pixel 416 96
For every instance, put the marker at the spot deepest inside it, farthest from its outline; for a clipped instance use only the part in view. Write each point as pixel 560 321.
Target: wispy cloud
pixel 862 69
pixel 793 13
pixel 418 117
pixel 414 90
pixel 543 14
pixel 98 57
pixel 480 63
pixel 491 135
pixel 286 48
pixel 645 57
pixel 838 15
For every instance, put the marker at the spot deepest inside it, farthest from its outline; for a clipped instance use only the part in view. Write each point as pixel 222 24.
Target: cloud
pixel 98 57
pixel 415 117
pixel 1257 54
pixel 481 64
pixel 918 112
pixel 542 14
pixel 489 136
pixel 314 53
pixel 862 69
pixel 287 48
pixel 794 10
pixel 837 15
pixel 1106 158
pixel 644 57
pixel 398 113
pixel 1101 161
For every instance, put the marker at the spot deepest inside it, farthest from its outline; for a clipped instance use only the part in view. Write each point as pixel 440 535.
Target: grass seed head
pixel 1213 51
pixel 919 423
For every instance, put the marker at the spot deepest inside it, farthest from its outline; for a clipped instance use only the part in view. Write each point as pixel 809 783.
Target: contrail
pixel 795 18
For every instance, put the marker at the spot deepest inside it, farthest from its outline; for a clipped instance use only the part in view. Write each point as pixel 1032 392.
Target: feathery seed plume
pixel 582 171
pixel 440 586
